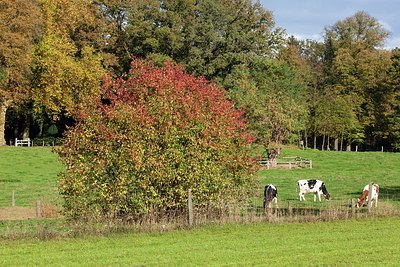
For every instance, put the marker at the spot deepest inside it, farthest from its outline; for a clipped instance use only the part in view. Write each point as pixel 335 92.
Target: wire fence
pixel 194 216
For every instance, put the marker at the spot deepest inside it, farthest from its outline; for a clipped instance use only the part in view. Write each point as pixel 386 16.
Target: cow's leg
pixel 319 197
pixel 376 201
pixel 276 202
pixel 315 197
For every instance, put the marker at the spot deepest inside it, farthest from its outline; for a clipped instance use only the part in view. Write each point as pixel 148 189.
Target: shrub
pixel 156 133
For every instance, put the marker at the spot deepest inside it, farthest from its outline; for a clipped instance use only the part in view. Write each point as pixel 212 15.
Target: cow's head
pixel 360 203
pixel 327 196
pixel 362 199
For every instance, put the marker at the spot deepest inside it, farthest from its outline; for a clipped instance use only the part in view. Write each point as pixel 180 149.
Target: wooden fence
pixel 23 142
pixel 286 163
pixel 15 212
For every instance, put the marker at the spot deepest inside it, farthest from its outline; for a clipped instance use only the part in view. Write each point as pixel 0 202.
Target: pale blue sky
pixel 306 19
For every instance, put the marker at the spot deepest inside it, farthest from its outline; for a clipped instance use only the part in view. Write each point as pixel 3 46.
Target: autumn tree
pixel 20 30
pixel 67 62
pixel 156 133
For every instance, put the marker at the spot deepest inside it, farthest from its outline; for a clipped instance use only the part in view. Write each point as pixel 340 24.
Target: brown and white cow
pixel 364 197
pixel 313 186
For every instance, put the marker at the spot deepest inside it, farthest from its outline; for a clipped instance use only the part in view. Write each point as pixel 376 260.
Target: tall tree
pixel 356 66
pixel 307 59
pixel 20 28
pixel 114 14
pixel 273 98
pixel 394 85
pixel 67 66
pixel 207 37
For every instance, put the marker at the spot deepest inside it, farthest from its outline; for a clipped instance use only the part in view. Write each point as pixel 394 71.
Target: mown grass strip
pixel 373 241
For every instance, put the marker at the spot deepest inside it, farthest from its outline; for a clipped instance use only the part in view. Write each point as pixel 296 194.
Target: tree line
pixel 330 94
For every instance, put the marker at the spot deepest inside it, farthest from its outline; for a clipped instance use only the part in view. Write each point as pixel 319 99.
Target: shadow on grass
pixel 390 192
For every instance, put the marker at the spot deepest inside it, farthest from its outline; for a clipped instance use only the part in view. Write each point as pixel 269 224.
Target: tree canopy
pixel 20 22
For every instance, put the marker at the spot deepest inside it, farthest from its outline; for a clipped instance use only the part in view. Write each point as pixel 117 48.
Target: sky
pixel 306 19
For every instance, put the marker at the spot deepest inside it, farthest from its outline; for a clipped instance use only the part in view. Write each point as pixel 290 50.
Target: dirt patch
pixel 17 213
pixel 24 213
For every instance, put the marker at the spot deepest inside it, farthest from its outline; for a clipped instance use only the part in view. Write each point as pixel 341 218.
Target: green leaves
pixel 273 99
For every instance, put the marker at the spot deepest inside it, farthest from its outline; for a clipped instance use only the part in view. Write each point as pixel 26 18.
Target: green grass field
pixel 344 173
pixel 370 242
pixel 32 174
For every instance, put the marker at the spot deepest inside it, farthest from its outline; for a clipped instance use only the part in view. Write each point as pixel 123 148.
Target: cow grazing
pixel 313 186
pixel 364 197
pixel 270 195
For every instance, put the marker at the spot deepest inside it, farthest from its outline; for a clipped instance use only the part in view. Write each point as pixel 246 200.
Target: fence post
pixel 190 206
pixel 369 197
pixel 290 210
pixel 38 209
pixel 13 199
pixel 353 208
pixel 310 164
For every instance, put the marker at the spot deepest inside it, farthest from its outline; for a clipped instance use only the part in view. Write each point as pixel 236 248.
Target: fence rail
pixel 286 162
pixel 23 142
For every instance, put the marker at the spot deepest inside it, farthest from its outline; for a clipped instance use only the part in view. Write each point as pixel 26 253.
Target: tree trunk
pixel 305 138
pixel 328 148
pixel 27 123
pixel 336 144
pixel 3 111
pixel 315 137
pixel 323 142
pixel 348 146
pixel 341 143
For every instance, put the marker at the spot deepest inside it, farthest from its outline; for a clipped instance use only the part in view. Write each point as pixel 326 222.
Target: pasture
pixel 31 172
pixel 367 240
pixel 370 242
pixel 345 174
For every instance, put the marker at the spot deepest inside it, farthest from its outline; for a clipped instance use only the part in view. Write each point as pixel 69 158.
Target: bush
pixel 156 133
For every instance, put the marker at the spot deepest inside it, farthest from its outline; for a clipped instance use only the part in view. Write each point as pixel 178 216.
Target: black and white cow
pixel 313 186
pixel 270 195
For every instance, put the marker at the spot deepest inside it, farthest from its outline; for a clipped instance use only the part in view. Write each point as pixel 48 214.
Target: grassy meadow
pixel 370 242
pixel 367 240
pixel 31 172
pixel 344 173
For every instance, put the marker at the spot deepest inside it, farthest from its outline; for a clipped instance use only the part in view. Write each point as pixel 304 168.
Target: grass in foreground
pixel 373 241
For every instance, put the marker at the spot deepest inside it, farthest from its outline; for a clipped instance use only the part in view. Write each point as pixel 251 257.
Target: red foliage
pixel 156 133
